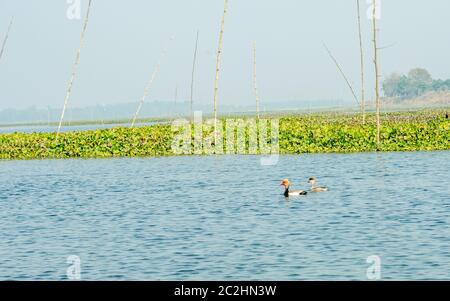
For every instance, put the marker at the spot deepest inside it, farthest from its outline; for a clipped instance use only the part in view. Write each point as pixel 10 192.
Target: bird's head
pixel 285 183
pixel 312 180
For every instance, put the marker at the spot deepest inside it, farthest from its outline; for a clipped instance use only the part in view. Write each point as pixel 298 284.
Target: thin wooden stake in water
pixel 255 82
pixel 219 56
pixel 75 66
pixel 377 72
pixel 361 50
pixel 147 88
pixel 193 77
pixel 6 38
pixel 343 74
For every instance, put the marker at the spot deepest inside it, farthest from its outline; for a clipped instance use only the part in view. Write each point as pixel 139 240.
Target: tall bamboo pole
pixel 193 77
pixel 377 72
pixel 75 66
pixel 218 61
pixel 149 85
pixel 361 50
pixel 342 73
pixel 6 38
pixel 255 82
pixel 176 94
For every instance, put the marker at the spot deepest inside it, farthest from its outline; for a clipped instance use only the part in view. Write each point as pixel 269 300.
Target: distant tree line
pixel 416 83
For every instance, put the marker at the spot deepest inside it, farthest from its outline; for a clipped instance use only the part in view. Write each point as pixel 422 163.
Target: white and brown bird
pixel 288 193
pixel 314 187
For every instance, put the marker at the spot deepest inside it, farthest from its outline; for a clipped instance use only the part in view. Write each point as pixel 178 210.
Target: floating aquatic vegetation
pixel 321 133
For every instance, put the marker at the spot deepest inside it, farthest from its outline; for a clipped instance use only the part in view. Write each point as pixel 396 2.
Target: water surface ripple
pixel 224 218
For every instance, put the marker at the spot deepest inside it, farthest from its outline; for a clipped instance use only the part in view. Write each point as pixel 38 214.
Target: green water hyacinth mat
pixel 319 133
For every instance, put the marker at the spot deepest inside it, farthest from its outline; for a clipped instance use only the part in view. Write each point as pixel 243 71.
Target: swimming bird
pixel 315 188
pixel 288 193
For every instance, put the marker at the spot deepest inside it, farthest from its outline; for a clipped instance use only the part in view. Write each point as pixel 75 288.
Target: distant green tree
pixel 391 84
pixel 416 83
pixel 441 85
pixel 420 82
pixel 403 89
pixel 420 75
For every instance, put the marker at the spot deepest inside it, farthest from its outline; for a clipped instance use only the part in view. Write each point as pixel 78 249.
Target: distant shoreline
pixel 389 106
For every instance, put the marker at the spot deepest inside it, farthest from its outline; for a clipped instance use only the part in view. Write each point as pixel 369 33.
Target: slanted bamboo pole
pixel 343 74
pixel 255 82
pixel 147 88
pixel 361 51
pixel 193 78
pixel 218 61
pixel 75 66
pixel 6 38
pixel 377 73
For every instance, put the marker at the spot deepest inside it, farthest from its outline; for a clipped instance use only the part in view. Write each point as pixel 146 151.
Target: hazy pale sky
pixel 125 38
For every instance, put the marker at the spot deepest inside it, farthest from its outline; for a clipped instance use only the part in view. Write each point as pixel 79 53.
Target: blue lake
pixel 224 218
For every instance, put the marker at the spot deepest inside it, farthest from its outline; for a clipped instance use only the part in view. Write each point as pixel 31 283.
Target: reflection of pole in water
pixel 382 170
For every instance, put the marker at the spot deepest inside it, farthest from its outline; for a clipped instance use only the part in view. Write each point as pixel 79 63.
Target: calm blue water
pixel 220 218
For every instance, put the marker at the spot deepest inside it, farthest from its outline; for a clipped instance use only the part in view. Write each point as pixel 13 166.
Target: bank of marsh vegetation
pixel 318 133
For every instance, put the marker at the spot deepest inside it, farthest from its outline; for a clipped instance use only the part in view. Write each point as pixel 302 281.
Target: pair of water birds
pixel 314 188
